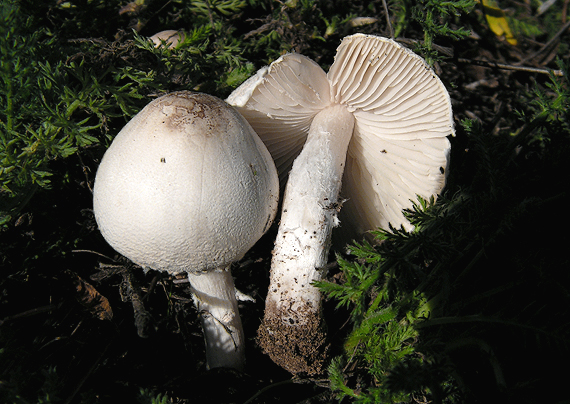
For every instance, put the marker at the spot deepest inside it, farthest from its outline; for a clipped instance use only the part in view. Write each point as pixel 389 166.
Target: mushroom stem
pixel 292 329
pixel 215 298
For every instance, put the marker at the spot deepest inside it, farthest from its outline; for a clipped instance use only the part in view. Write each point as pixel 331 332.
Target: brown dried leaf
pixel 92 300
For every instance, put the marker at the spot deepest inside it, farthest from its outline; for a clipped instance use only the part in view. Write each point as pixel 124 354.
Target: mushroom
pixel 377 123
pixel 188 186
pixel 170 38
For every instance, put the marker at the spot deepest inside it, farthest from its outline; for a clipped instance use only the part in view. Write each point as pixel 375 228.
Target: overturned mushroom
pixel 187 186
pixel 378 121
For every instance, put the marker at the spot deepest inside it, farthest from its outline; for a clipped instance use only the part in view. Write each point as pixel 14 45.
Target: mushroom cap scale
pixel 185 186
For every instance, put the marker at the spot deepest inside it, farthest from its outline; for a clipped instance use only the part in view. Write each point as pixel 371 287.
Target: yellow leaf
pixel 497 21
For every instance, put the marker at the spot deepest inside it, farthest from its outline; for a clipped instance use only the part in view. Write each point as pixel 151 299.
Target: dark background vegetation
pixel 482 287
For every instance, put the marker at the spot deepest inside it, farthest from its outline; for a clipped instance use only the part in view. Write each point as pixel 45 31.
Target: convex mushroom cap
pixel 185 186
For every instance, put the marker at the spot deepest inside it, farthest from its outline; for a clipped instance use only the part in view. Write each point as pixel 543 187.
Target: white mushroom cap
pixel 170 36
pixel 403 115
pixel 399 148
pixel 185 186
pixel 280 102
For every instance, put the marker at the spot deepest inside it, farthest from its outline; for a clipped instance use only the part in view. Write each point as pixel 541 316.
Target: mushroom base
pixel 298 348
